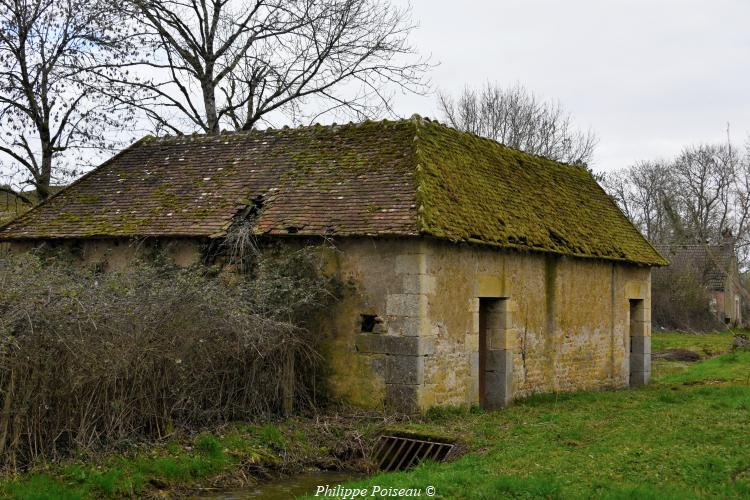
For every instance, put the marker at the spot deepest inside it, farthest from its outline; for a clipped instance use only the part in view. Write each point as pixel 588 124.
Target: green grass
pixel 705 344
pixel 175 463
pixel 685 436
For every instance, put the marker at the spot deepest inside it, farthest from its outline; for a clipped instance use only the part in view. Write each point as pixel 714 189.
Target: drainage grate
pixel 399 453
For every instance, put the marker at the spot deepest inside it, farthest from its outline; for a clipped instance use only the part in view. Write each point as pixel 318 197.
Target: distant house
pixel 717 270
pixel 12 205
pixel 484 273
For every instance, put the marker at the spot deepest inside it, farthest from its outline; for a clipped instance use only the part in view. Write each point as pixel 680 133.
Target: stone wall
pixel 558 324
pixel 369 368
pixel 116 253
pixel 564 321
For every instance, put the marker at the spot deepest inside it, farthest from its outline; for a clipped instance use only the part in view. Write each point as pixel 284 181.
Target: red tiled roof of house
pixel 711 263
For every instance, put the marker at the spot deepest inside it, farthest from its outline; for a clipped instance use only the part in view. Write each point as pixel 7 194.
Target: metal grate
pixel 399 453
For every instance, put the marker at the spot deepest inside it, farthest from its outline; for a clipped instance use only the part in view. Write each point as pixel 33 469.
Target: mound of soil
pixel 676 355
pixel 740 343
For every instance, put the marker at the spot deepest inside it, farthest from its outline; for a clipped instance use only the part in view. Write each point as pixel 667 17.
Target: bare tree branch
pixel 701 196
pixel 235 62
pixel 514 117
pixel 50 104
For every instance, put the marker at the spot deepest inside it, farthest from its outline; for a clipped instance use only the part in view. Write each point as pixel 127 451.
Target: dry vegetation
pixel 89 360
pixel 680 301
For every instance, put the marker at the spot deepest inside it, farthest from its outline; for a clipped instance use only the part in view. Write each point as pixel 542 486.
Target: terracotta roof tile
pixel 407 178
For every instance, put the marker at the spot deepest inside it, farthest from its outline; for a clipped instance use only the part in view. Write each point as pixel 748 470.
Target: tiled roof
pixel 712 262
pixel 408 178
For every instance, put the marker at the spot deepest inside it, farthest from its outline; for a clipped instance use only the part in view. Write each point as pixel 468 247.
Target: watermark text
pixel 347 493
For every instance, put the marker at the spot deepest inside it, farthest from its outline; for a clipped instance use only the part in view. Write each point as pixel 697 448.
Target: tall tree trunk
pixel 44 176
pixel 209 103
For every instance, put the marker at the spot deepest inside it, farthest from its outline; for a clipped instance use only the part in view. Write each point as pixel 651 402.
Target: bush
pixel 90 359
pixel 679 301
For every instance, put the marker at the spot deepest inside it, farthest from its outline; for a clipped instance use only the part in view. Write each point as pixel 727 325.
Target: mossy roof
pixel 401 178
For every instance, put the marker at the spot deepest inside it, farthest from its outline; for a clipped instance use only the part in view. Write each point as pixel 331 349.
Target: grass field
pixel 685 436
pixel 705 344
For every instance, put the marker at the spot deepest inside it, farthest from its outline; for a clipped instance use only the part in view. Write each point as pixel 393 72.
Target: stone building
pixel 484 274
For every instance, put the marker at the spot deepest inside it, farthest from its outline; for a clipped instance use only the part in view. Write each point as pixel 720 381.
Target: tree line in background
pixel 78 76
pixel 700 196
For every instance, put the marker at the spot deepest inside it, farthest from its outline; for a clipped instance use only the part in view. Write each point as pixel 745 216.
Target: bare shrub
pixel 680 301
pixel 90 359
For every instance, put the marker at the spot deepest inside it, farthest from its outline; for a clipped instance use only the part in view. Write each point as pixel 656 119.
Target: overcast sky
pixel 647 76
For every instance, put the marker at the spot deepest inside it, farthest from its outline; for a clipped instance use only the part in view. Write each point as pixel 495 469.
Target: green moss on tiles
pixel 444 183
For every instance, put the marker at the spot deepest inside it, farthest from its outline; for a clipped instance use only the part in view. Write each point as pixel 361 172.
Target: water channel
pixel 284 488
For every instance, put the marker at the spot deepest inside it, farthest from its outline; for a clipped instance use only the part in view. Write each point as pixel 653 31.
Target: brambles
pixel 90 359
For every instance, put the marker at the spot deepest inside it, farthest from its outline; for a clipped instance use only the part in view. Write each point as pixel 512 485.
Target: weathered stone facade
pixel 552 323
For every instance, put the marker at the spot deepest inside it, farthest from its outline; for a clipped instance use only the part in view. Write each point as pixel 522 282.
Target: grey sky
pixel 647 76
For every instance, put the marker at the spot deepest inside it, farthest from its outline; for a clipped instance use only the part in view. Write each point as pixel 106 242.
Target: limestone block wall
pixel 384 366
pixel 562 323
pixel 552 324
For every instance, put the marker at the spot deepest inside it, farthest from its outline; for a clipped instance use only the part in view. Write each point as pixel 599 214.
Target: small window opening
pixel 368 322
pixel 292 229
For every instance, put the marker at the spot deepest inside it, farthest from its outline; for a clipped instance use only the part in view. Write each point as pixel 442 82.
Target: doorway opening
pixel 495 358
pixel 640 345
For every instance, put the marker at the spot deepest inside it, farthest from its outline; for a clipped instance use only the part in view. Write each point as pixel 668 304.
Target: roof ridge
pixel 259 132
pixel 415 119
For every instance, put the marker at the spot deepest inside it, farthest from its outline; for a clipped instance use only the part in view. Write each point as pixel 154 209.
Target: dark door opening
pixel 640 345
pixel 495 358
pixel 483 345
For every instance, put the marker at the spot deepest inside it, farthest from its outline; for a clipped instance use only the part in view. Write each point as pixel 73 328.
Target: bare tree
pixel 705 176
pixel 700 196
pixel 233 62
pixel 51 52
pixel 516 118
pixel 644 192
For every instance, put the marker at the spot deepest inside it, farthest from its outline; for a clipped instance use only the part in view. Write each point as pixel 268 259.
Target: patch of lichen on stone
pixel 477 190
